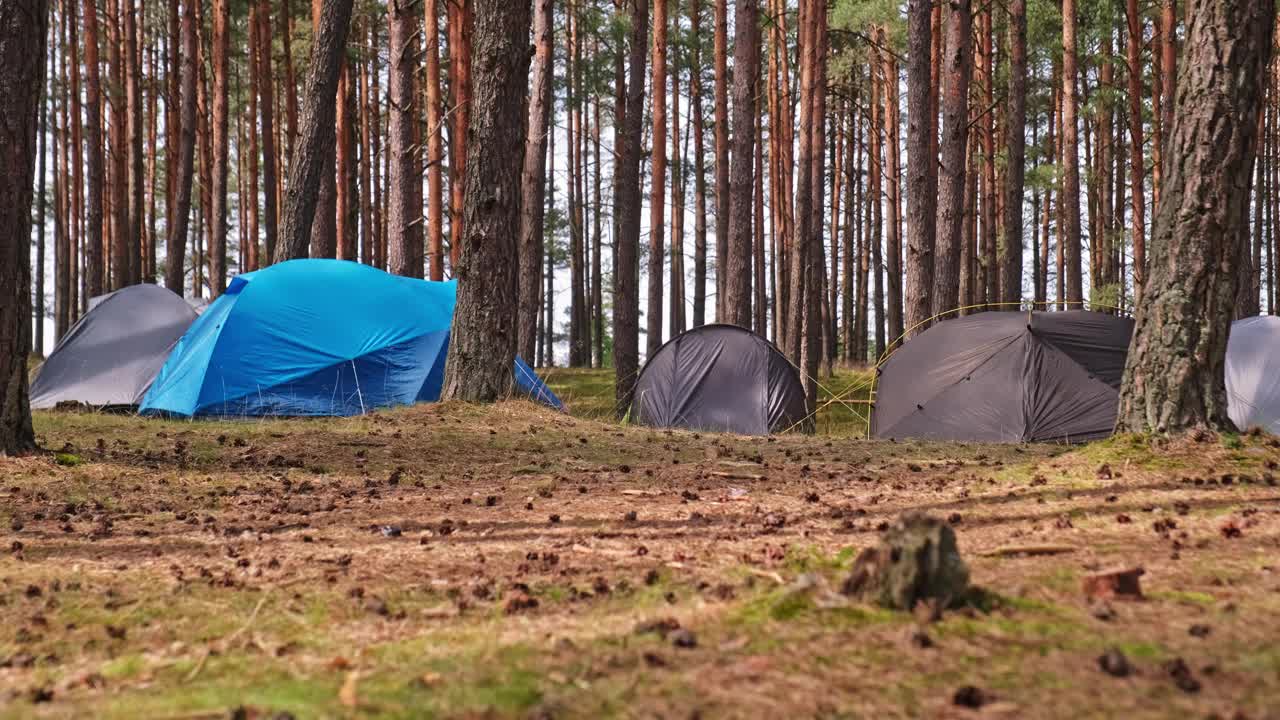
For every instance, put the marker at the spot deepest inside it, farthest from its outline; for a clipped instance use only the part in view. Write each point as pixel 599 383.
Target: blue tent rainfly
pixel 316 337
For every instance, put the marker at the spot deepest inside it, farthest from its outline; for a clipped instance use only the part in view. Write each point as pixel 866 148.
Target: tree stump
pixel 916 561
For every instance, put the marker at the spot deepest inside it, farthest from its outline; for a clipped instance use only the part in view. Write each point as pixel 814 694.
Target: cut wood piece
pixel 1014 550
pixel 1118 583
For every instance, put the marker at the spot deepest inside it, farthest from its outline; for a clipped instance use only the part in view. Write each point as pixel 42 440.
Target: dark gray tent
pixel 110 356
pixel 1006 377
pixel 1253 373
pixel 720 378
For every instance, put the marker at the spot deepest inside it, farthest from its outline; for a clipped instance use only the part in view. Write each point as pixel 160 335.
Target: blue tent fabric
pixel 315 337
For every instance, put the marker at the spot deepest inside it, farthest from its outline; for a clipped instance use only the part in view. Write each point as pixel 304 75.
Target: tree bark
pixel 1070 160
pixel 699 170
pixel 307 165
pixel 460 32
pixel 324 230
pixel 404 256
pixel 217 212
pixel 893 195
pixel 922 189
pixel 625 274
pixel 957 60
pixel 481 350
pixel 133 131
pixel 658 176
pixel 533 178
pixel 266 86
pixel 176 240
pixel 746 66
pixel 1174 377
pixel 24 31
pixel 94 261
pixel 1011 265
pixel 435 146
pixel 721 52
pixel 1137 173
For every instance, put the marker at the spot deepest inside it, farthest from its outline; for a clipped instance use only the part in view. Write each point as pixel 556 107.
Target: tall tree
pixel 217 211
pixel 435 145
pixel 24 30
pixel 460 33
pixel 699 168
pixel 956 68
pixel 133 132
pixel 176 240
pixel 746 67
pixel 629 132
pixel 720 52
pixel 658 178
pixel 324 230
pixel 1137 172
pixel 1070 159
pixel 533 180
pixel 318 111
pixel 94 265
pixel 481 353
pixel 922 182
pixel 1011 262
pixel 1174 376
pixel 266 89
pixel 404 256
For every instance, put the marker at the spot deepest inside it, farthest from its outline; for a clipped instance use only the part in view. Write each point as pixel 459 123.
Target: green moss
pixel 67 459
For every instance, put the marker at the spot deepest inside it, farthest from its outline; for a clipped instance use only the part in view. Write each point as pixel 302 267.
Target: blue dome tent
pixel 316 337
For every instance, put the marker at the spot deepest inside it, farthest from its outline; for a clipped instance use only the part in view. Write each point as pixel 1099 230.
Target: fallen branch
pixel 1014 550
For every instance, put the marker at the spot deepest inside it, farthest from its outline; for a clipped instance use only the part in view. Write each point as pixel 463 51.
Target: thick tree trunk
pixel 1070 160
pixel 1173 379
pixel 1011 263
pixel 307 165
pixel 483 344
pixel 324 230
pixel 404 257
pixel 922 196
pixel 533 179
pixel 721 52
pixel 24 31
pixel 176 240
pixel 626 326
pixel 957 60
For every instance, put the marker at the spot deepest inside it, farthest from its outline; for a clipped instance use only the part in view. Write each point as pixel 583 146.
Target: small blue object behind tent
pixel 316 337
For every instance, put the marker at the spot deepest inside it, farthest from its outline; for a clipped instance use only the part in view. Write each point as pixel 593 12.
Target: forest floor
pixel 458 561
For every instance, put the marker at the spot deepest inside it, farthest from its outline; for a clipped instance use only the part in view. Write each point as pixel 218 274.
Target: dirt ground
pixel 455 561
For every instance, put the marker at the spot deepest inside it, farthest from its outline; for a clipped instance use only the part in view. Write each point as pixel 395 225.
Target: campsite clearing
pixel 449 560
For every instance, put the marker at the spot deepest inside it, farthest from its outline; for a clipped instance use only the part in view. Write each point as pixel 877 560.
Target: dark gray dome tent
pixel 110 357
pixel 1253 373
pixel 1005 377
pixel 720 378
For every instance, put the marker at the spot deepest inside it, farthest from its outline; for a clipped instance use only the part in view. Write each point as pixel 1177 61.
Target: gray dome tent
pixel 110 357
pixel 1006 377
pixel 1253 373
pixel 720 378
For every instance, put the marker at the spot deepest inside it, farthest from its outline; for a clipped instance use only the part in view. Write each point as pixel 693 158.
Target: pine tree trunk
pixel 1173 379
pixel 699 170
pixel 290 82
pixel 625 274
pixel 324 229
pixel 460 33
pixel 94 260
pixel 133 134
pixel 893 195
pixel 1011 265
pixel 435 146
pixel 746 65
pixel 1168 63
pixel 876 214
pixel 721 52
pixel 676 321
pixel 988 292
pixel 403 256
pixel 533 178
pixel 318 111
pixel 1070 160
pixel 176 241
pixel 922 188
pixel 658 179
pixel 266 90
pixel 24 32
pixel 483 343
pixel 1137 173
pixel 952 181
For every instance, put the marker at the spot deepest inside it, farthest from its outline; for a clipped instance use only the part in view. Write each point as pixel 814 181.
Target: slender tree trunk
pixel 952 182
pixel 658 179
pixel 746 64
pixel 988 290
pixel 460 34
pixel 533 177
pixel 24 33
pixel 699 169
pixel 133 134
pixel 435 146
pixel 318 111
pixel 324 230
pixel 892 175
pixel 290 81
pixel 266 91
pixel 625 273
pixel 720 53
pixel 94 267
pixel 404 257
pixel 1173 378
pixel 1014 191
pixel 1168 64
pixel 1070 159
pixel 597 242
pixel 1137 173
pixel 217 214
pixel 922 196
pixel 176 240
